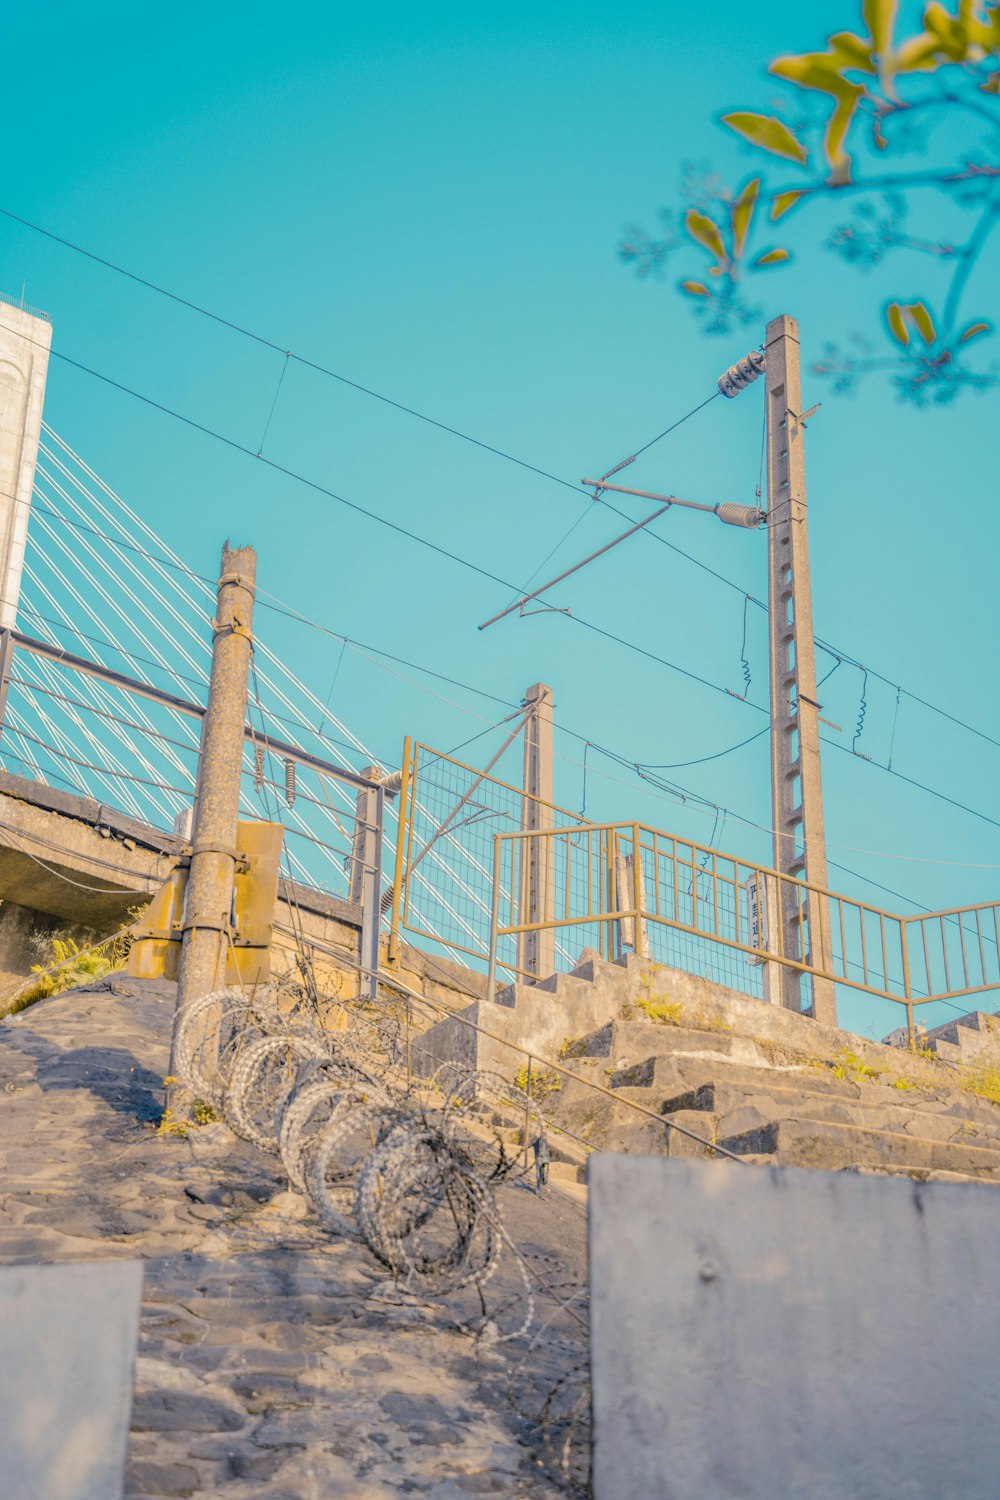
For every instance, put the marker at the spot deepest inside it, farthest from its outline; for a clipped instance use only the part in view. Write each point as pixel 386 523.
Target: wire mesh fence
pixel 626 887
pixel 454 813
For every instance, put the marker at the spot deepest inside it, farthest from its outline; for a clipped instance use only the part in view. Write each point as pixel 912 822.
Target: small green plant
pixel 170 1125
pixel 903 1083
pixel 849 1065
pixel 983 1079
pixel 663 1012
pixel 66 964
pixel 541 1084
pixel 203 1113
pixel 573 1046
pixel 705 1021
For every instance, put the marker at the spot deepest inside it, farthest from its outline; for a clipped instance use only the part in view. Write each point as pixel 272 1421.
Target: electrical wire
pixel 319 368
pixel 486 573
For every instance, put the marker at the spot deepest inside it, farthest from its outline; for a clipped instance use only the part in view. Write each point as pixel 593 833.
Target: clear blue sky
pixel 428 199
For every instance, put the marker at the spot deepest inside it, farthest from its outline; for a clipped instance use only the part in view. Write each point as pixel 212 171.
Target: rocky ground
pixel 273 1359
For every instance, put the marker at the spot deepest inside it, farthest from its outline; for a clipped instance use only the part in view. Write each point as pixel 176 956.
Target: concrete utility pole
pixel 796 788
pixel 366 865
pixel 208 905
pixel 536 951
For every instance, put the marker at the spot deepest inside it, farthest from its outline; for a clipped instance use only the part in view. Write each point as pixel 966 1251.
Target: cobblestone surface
pixel 273 1360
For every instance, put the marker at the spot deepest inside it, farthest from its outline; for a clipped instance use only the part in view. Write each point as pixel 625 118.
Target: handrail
pixel 955 951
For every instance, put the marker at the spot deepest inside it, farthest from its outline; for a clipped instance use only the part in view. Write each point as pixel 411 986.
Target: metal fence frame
pixel 883 938
pixel 408 860
pixel 366 872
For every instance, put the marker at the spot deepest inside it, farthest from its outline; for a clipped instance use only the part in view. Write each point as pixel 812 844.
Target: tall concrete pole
pixel 537 950
pixel 208 903
pixel 796 787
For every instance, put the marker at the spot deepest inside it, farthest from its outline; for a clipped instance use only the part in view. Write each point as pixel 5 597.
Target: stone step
pixel 949 1051
pixel 805 1143
pixel 918 1174
pixel 675 1077
pixel 565 1171
pixel 915 1174
pixel 977 1022
pixel 879 1105
pixel 625 1043
pixel 757 1113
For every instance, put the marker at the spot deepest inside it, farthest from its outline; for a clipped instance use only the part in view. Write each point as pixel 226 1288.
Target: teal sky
pixel 429 202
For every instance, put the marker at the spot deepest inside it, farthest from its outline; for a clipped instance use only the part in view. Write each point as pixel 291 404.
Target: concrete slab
pixel 766 1331
pixel 68 1337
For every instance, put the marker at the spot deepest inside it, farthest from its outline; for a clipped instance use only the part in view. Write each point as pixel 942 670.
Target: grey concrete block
pixel 791 1333
pixel 67 1349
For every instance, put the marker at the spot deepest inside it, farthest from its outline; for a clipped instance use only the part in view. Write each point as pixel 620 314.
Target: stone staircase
pixel 716 1071
pixel 965 1038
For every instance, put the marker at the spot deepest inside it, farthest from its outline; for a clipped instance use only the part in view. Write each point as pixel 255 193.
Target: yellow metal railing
pixel 626 881
pixel 464 859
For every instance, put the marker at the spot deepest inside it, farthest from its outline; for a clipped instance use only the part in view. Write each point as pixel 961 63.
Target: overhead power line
pixel 456 558
pixel 320 368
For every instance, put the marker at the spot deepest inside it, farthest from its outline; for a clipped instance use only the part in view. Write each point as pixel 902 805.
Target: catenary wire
pixel 288 354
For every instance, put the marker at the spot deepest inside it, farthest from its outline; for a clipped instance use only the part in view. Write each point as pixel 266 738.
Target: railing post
pixel 639 926
pixel 392 954
pixel 366 880
pixel 208 904
pixel 6 662
pixel 491 975
pixel 911 1029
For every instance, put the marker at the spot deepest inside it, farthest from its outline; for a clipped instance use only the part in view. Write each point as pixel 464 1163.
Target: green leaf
pixel 783 202
pixel 917 55
pixel 922 321
pixel 812 70
pixel 851 51
pixel 836 131
pixel 706 232
pixel 897 327
pixel 771 257
pixel 767 132
pixel 695 289
pixel 880 18
pixel 948 32
pixel 743 210
pixel 974 330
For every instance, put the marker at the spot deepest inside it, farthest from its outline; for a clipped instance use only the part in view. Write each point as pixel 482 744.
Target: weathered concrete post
pixel 366 876
pixel 802 920
pixel 208 904
pixel 537 950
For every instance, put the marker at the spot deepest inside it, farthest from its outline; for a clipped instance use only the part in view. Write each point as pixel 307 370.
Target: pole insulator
pixel 290 782
pixel 740 515
pixel 740 375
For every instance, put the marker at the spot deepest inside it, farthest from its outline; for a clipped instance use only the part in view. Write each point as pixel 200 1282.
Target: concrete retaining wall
pixel 775 1332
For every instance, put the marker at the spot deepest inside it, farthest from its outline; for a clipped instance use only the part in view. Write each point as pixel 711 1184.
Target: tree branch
pixel 968 256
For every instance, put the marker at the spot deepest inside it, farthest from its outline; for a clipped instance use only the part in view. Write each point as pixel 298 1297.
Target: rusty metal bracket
pixel 207 846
